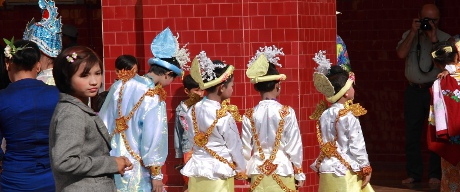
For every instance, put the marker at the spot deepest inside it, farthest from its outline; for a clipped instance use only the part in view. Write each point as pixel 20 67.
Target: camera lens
pixel 425 24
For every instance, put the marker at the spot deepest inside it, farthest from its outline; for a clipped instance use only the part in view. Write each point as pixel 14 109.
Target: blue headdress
pixel 166 46
pixel 47 32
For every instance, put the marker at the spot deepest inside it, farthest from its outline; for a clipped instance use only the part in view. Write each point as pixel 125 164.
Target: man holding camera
pixel 415 46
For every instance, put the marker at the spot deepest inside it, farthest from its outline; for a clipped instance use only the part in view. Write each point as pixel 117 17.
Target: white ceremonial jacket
pixel 350 142
pixel 266 118
pixel 224 140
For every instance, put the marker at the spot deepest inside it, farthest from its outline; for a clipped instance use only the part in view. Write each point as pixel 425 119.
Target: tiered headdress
pixel 166 46
pixel 323 84
pixel 203 69
pixel 259 64
pixel 47 32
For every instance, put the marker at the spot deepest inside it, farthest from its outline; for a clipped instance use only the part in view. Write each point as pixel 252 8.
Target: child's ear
pixel 186 91
pixel 7 65
pixel 39 67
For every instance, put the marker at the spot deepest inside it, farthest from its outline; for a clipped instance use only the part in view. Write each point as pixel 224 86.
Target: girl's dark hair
pixel 159 70
pixel 26 58
pixel 442 56
pixel 126 62
pixel 338 77
pixel 64 69
pixel 219 71
pixel 268 85
pixel 4 78
pixel 189 82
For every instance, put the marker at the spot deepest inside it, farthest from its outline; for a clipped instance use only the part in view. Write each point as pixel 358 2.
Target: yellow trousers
pixel 268 184
pixel 329 182
pixel 203 184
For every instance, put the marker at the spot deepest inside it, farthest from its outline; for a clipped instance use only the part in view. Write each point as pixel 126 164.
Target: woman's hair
pixel 100 99
pixel 338 77
pixel 27 54
pixel 126 62
pixel 442 54
pixel 159 70
pixel 4 78
pixel 268 86
pixel 189 83
pixel 65 66
pixel 219 71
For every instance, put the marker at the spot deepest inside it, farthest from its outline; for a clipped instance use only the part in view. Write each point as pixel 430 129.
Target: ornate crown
pixel 322 83
pixel 203 69
pixel 47 32
pixel 259 64
pixel 165 45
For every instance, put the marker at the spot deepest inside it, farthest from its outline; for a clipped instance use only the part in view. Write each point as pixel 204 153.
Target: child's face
pixel 86 85
pixel 197 91
pixel 351 93
pixel 227 90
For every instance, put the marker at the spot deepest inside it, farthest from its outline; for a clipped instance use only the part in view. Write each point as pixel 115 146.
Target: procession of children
pixel 122 143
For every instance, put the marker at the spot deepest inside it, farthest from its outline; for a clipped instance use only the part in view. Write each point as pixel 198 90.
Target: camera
pixel 425 24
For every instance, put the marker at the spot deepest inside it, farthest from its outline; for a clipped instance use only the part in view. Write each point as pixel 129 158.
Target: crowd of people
pixel 55 140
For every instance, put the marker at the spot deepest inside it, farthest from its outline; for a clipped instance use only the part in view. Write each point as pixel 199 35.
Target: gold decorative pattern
pixel 320 108
pixel 121 124
pixel 121 121
pixel 323 85
pixel 268 167
pixel 365 171
pixel 356 109
pixel 241 176
pixel 155 170
pixel 328 149
pixel 125 75
pixel 201 139
pixel 193 98
pixel 232 109
pixel 297 170
pixel 131 152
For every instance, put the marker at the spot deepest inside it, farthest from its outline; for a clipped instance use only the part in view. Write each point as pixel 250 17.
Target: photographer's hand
pixel 432 34
pixel 415 25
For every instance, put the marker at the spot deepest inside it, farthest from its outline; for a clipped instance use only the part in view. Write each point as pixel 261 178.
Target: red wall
pixel 231 31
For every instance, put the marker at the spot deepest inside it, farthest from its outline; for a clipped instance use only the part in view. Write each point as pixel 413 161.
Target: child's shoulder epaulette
pixel 356 109
pixel 158 90
pixel 232 109
pixel 320 108
pixel 193 98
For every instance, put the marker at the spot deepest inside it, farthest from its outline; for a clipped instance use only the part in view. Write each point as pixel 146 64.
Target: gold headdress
pixel 259 64
pixel 203 69
pixel 445 49
pixel 323 84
